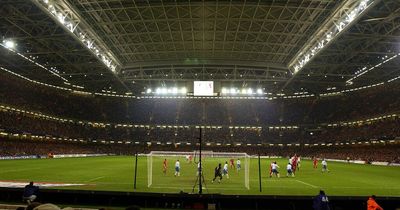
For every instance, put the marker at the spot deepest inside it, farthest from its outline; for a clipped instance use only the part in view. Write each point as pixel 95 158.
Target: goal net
pixel 166 178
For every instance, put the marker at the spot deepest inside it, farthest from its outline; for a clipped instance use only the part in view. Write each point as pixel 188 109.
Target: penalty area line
pixel 189 186
pixel 305 183
pixel 205 188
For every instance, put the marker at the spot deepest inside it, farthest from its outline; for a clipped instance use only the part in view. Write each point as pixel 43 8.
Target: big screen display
pixel 203 88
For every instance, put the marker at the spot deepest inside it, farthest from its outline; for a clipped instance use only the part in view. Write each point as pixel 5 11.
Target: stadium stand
pixel 14 121
pixel 350 106
pixel 158 120
pixel 125 86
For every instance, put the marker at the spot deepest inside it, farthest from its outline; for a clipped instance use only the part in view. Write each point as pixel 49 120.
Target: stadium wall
pixel 191 201
pixel 79 155
pixel 53 156
pixel 364 162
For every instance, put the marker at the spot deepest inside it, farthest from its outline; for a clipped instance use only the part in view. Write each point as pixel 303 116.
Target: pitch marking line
pixel 40 184
pixel 94 179
pixel 389 188
pixel 184 188
pixel 308 184
pixel 186 185
pixel 17 170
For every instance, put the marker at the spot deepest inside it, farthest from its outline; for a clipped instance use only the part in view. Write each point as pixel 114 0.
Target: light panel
pixel 65 15
pixel 10 45
pixel 340 20
pixel 365 69
pixel 243 91
pixel 167 91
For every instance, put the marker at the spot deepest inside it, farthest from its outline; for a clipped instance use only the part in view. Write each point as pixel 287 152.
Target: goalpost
pixel 209 162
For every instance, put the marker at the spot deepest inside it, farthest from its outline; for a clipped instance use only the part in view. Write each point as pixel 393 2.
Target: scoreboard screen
pixel 203 88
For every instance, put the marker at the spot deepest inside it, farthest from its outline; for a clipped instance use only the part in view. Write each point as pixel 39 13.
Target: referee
pixel 217 173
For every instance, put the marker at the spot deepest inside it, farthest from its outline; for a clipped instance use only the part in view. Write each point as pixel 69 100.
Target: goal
pixel 210 159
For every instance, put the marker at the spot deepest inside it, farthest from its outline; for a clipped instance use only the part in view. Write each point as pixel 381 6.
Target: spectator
pixel 30 193
pixel 321 201
pixel 33 205
pixel 372 204
pixel 132 208
pixel 47 206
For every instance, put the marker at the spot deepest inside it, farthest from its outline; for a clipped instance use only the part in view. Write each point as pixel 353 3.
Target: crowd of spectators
pixel 24 123
pixel 22 147
pixel 387 129
pixel 184 111
pixel 310 114
pixel 376 152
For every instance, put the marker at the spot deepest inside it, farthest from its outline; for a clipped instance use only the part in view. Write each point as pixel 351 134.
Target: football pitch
pixel 116 173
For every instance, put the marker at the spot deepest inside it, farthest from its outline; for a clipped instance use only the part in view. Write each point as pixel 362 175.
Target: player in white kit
pixel 177 168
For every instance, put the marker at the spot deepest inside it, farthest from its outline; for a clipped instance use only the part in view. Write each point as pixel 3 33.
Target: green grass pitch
pixel 116 173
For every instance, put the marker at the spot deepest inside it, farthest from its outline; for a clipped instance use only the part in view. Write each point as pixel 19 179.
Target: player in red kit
pixel 270 169
pixel 232 163
pixel 294 164
pixel 165 166
pixel 315 162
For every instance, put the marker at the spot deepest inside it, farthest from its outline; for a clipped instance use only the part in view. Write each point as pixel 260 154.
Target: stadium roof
pixel 130 44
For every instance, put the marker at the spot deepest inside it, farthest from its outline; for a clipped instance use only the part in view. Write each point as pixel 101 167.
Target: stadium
pixel 142 104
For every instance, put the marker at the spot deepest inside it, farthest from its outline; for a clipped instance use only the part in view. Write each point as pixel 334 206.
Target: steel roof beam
pixel 344 16
pixel 68 18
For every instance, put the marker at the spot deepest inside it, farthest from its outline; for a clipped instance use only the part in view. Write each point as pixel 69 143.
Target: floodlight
pixel 224 91
pixel 244 91
pixel 9 44
pixel 250 91
pixel 61 18
pixel 183 90
pixel 174 90
pixel 158 90
pixel 233 91
pixel 259 91
pixel 148 90
pixel 164 91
